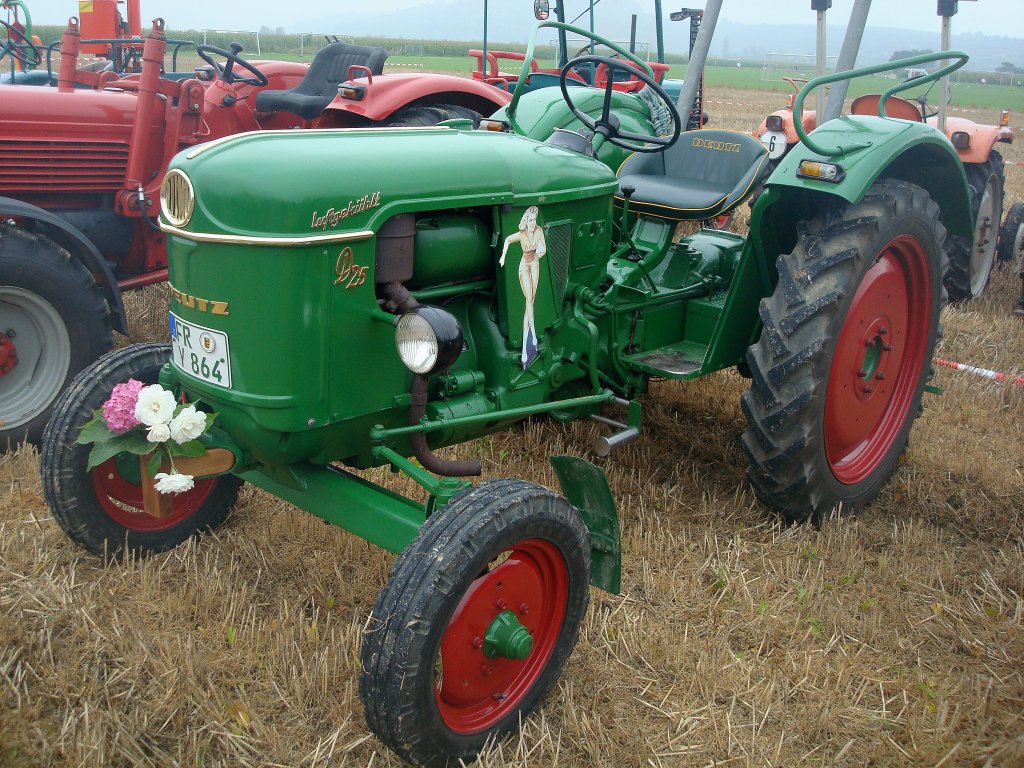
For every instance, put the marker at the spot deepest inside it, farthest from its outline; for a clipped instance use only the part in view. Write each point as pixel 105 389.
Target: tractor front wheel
pixel 101 508
pixel 970 264
pixel 477 619
pixel 845 352
pixel 53 322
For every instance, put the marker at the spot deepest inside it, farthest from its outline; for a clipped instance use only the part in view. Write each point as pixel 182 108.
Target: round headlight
pixel 429 339
pixel 176 198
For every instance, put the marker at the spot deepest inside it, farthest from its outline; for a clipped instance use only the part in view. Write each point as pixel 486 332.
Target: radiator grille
pixel 62 166
pixel 559 241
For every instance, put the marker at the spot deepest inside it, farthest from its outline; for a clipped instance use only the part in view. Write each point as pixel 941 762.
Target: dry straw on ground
pixel 892 638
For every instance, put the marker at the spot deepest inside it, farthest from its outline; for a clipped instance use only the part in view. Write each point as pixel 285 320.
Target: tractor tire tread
pixel 790 363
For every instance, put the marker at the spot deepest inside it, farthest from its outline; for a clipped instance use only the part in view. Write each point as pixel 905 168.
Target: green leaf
pixel 153 465
pixel 136 442
pixel 210 418
pixel 191 448
pixel 95 431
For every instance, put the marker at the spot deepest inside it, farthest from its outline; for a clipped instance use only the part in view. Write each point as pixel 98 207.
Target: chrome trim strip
pixel 203 237
pixel 306 131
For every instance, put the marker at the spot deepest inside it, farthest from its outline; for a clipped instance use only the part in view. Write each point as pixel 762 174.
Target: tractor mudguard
pixel 382 96
pixel 79 246
pixel 586 488
pixel 867 148
pixel 983 137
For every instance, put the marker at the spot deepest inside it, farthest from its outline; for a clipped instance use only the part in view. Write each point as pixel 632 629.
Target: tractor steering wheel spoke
pixel 231 58
pixel 607 124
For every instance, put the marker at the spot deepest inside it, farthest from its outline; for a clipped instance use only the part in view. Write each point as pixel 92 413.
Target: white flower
pixel 188 424
pixel 154 406
pixel 175 483
pixel 158 433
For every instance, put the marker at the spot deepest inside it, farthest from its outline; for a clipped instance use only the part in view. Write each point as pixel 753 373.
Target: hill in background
pixel 449 20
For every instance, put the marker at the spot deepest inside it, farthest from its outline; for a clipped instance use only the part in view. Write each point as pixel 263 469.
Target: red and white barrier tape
pixel 994 375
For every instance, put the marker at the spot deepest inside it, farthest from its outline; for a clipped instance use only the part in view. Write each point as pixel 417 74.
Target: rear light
pixel 498 126
pixel 812 169
pixel 1004 117
pixel 790 101
pixel 352 91
pixel 961 139
pixel 773 122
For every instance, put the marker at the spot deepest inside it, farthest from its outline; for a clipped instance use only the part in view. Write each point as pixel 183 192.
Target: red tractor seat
pixel 320 85
pixel 704 174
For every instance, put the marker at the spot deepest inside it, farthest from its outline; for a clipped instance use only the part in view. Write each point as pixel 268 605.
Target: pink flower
pixel 119 410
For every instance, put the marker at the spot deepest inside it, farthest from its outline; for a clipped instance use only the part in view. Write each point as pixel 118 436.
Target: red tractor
pixel 81 164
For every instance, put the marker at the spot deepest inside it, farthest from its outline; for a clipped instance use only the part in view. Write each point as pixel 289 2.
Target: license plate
pixel 201 352
pixel 775 143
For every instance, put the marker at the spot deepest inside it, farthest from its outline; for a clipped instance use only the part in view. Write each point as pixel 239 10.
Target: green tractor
pixel 339 312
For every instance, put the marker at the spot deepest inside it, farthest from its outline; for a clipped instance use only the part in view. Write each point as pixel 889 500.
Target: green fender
pixel 866 148
pixel 871 147
pixel 586 487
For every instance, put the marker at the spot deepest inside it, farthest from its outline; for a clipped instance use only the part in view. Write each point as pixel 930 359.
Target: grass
pixel 891 638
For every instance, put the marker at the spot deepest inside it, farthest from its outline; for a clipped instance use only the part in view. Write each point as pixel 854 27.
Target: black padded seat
pixel 320 84
pixel 705 173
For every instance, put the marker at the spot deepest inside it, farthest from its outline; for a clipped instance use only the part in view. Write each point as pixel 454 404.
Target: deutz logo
pixel 718 146
pixel 203 305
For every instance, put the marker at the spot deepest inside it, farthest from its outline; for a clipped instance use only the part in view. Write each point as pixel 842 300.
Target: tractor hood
pixel 304 184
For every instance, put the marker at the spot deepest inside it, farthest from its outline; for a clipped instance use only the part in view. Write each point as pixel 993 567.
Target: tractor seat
pixel 705 173
pixel 894 107
pixel 319 86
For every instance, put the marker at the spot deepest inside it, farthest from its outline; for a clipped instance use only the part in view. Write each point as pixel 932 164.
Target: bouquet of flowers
pixel 147 421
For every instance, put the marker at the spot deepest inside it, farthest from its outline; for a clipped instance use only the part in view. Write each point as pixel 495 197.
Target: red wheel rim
pixel 121 499
pixel 474 692
pixel 878 360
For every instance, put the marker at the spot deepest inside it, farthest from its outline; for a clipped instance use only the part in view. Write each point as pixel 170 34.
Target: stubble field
pixel 891 638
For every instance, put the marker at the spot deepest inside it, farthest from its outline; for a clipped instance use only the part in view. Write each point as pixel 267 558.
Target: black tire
pixel 970 263
pixel 418 115
pixel 60 323
pixel 450 565
pixel 845 352
pixel 1011 236
pixel 101 509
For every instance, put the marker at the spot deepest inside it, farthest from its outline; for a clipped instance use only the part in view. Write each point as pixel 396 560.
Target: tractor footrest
pixel 683 360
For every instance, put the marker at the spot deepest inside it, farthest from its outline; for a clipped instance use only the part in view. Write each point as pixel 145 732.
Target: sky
pixel 994 17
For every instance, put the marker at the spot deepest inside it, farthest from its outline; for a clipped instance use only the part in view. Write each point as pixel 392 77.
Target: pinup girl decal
pixel 531 238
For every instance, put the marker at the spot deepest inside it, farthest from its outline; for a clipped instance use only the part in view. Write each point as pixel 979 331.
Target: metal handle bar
pixel 960 59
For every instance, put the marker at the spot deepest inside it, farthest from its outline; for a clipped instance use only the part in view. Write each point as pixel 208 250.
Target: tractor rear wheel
pixel 101 508
pixel 1011 236
pixel 53 322
pixel 970 264
pixel 845 352
pixel 419 115
pixel 477 619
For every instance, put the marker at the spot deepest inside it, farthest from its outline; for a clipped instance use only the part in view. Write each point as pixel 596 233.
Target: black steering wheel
pixel 231 58
pixel 607 124
pixel 20 47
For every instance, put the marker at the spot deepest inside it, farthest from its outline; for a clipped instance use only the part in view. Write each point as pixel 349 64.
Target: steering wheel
pixel 607 124
pixel 16 44
pixel 230 59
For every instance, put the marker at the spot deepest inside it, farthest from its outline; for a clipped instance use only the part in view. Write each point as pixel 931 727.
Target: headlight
pixel 177 199
pixel 429 340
